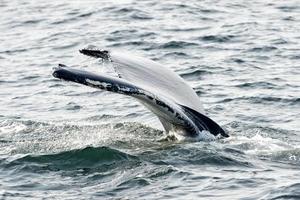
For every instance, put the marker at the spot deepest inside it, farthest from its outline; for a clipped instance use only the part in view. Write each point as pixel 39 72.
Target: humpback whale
pixel 158 88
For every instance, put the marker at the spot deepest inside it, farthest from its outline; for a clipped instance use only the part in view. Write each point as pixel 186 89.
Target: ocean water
pixel 60 140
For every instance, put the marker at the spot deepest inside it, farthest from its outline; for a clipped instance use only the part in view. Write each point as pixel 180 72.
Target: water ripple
pixel 64 141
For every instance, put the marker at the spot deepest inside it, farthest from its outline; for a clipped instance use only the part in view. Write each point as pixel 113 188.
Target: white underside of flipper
pixel 155 78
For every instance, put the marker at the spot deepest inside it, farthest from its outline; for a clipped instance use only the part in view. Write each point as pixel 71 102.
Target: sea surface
pixel 60 140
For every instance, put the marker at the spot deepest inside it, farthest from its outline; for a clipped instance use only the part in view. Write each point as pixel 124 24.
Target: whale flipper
pixel 151 75
pixel 168 112
pixel 159 89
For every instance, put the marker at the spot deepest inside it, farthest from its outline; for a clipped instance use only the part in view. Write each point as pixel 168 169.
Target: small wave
pixel 141 16
pixel 217 38
pixel 32 21
pixel 259 84
pixel 119 35
pixel 264 142
pixel 89 157
pixel 189 29
pixel 31 77
pixel 289 18
pixel 130 43
pixel 101 117
pixel 17 51
pixel 221 160
pixel 279 41
pixel 238 60
pixel 196 73
pixel 264 100
pixel 286 191
pixel 73 18
pixel 72 106
pixel 133 13
pixel 66 46
pixel 288 8
pixel 291 156
pixel 176 54
pixel 126 35
pixel 257 144
pixel 176 44
pixel 263 49
pixel 196 154
pixel 125 10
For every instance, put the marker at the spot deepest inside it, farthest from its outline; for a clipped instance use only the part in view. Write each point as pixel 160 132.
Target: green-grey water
pixel 64 141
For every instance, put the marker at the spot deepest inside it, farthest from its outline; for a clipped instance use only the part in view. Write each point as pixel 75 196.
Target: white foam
pixel 259 144
pixel 11 127
pixel 202 136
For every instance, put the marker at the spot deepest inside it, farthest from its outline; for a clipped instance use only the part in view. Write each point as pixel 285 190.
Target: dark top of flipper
pixel 205 123
pixel 103 82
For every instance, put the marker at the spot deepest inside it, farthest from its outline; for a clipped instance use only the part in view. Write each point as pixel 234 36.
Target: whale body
pixel 158 88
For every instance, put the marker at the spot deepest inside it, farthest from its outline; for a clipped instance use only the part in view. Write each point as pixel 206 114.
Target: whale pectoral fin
pixel 205 123
pixel 168 113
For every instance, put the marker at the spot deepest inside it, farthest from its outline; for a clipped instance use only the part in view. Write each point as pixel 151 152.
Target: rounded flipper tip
pixel 56 70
